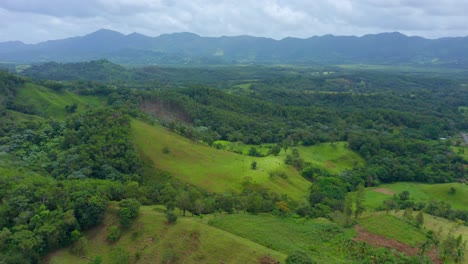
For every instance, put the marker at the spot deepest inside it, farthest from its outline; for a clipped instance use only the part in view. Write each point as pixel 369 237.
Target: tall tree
pixel 360 199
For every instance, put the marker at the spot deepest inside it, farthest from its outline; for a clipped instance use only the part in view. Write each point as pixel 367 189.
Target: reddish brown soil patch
pixel 329 164
pixel 380 241
pixel 165 110
pixel 268 260
pixel 384 191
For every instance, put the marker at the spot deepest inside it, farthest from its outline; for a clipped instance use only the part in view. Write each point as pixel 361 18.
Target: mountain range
pixel 189 48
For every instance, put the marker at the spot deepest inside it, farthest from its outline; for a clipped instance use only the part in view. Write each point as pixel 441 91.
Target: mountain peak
pixel 105 33
pixel 181 35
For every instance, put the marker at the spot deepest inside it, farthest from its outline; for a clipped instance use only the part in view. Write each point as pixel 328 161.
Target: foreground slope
pixel 215 170
pixel 151 240
pixel 320 238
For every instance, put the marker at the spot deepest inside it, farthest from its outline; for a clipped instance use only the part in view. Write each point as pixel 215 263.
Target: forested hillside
pixel 287 150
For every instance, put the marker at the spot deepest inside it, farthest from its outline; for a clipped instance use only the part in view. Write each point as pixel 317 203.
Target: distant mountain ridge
pixel 189 48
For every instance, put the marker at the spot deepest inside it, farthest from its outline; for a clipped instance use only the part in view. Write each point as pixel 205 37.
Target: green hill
pixel 151 240
pixel 215 170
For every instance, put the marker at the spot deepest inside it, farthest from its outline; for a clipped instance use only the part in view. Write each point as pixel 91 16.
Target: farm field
pixel 215 170
pixel 392 227
pixel 318 237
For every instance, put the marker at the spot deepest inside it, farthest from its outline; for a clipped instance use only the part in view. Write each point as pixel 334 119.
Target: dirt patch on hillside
pixel 384 191
pixel 168 111
pixel 380 241
pixel 329 164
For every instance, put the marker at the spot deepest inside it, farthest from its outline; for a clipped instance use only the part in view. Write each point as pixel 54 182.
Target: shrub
pixel 299 257
pixel 113 234
pixel 171 217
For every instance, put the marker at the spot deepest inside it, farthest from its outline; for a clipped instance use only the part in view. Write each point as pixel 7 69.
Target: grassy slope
pixel 393 227
pixel 319 237
pixel 421 192
pixel 334 157
pixel 49 103
pixel 189 240
pixel 443 226
pixel 211 169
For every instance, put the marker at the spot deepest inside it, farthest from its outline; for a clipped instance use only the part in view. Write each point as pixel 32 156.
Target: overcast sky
pixel 33 21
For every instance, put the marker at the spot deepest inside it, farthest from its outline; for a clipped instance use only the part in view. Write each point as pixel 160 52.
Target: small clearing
pixel 329 164
pixel 384 191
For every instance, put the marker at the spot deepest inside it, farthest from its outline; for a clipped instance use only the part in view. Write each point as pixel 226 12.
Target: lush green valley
pixel 105 164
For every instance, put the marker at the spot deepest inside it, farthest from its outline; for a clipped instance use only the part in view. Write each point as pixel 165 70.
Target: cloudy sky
pixel 33 21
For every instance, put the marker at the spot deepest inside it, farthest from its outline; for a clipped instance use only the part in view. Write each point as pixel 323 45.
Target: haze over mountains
pixel 189 48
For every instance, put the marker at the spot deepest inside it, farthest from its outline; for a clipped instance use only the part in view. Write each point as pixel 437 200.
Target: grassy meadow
pixel 420 192
pixel 215 170
pixel 334 157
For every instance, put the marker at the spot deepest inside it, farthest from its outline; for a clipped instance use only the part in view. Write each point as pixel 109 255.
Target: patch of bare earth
pixel 329 164
pixel 167 111
pixel 384 191
pixel 380 241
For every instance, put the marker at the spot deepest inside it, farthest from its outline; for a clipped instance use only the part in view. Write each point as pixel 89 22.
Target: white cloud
pixel 38 20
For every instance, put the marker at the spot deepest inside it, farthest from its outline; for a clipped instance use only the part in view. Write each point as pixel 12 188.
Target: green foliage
pixel 113 234
pixel 39 214
pixel 420 219
pixel 91 145
pixel 79 247
pixel 327 194
pixel 119 256
pixel 166 150
pixel 299 257
pixel 295 160
pixel 453 248
pixel 129 209
pixel 206 243
pixel 86 158
pixel 171 217
pixel 452 190
pixel 96 260
pixel 253 165
pixel 365 253
pixel 360 199
pixel 393 227
pixel 319 238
